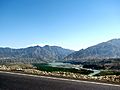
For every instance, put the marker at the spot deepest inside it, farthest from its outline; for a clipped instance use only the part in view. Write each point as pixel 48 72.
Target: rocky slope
pixel 105 50
pixel 45 53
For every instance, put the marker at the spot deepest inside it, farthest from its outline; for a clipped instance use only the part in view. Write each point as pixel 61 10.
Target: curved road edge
pixel 63 79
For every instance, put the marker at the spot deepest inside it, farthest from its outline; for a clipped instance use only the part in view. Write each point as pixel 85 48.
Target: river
pixel 68 65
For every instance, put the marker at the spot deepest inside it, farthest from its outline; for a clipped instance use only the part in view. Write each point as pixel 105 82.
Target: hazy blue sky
pixel 72 24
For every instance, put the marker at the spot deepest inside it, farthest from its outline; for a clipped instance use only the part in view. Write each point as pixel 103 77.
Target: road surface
pixel 11 81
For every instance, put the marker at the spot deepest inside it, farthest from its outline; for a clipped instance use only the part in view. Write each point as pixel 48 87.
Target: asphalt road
pixel 22 82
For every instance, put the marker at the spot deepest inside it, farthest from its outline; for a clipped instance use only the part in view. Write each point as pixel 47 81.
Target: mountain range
pixel 46 53
pixel 104 50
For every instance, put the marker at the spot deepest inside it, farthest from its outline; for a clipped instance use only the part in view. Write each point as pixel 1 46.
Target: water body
pixel 55 64
pixel 65 65
pixel 68 65
pixel 95 72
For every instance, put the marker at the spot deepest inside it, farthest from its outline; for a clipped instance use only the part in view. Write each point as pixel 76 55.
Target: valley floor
pixel 28 69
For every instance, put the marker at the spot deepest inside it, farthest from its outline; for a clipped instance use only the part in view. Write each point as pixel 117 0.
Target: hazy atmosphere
pixel 72 24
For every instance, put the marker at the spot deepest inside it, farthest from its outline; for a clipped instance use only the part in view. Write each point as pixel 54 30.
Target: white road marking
pixel 55 78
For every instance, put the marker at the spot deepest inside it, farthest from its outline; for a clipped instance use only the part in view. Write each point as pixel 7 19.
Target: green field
pixel 46 67
pixel 103 73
